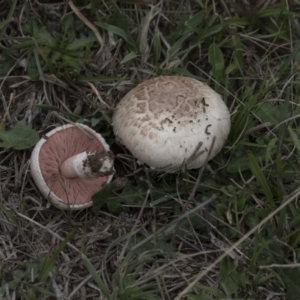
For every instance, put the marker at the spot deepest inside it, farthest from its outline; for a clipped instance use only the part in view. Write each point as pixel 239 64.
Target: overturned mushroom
pixel 171 121
pixel 70 164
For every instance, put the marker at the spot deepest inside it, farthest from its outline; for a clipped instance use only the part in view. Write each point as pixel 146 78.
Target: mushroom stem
pixel 88 165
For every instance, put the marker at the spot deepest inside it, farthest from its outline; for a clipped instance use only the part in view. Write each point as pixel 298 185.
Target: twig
pixel 87 23
pixel 98 95
pixel 280 266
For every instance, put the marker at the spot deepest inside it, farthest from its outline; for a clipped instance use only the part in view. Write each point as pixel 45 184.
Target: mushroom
pixel 172 121
pixel 70 164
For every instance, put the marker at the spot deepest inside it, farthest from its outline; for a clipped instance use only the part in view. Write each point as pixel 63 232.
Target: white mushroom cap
pixel 171 121
pixel 70 164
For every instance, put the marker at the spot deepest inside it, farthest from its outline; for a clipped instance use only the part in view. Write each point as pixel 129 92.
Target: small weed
pixel 61 50
pixel 20 137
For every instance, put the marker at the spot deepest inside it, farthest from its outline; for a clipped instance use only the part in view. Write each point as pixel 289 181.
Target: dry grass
pixel 167 241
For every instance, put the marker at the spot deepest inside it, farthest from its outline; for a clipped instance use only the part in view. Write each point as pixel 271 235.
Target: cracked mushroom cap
pixel 171 121
pixel 70 164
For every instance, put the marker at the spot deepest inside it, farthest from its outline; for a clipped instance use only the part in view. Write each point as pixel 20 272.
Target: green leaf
pixel 141 2
pixel 237 54
pixel 287 63
pixel 49 261
pixel 115 206
pixel 217 293
pixel 129 57
pixel 177 45
pixel 239 163
pixel 207 32
pixel 40 290
pixel 20 137
pixel 68 24
pixel 5 22
pixel 100 78
pixel 197 20
pixel 133 194
pixel 9 17
pixel 103 196
pixel 291 279
pixel 80 43
pixel 295 139
pixel 260 176
pixel 118 31
pixel 216 59
pixel 269 112
pixel 181 27
pixel 95 121
pixel 96 276
pixel 42 36
pixel 120 20
pixel 228 276
pixel 230 68
pixel 199 297
pixel 55 108
pixel 157 46
pixel 6 63
pixel 276 11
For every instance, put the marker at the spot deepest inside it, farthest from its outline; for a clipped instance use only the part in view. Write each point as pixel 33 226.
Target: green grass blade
pixel 259 175
pixel 289 60
pixel 216 59
pixel 131 55
pixel 8 19
pixel 295 139
pixel 49 261
pixel 95 275
pixel 118 31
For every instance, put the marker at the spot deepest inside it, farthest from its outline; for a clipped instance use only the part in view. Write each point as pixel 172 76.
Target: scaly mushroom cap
pixel 169 121
pixel 55 148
